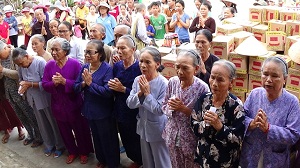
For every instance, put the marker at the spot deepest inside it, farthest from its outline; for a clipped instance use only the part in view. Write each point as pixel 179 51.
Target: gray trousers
pixel 48 128
pixel 155 154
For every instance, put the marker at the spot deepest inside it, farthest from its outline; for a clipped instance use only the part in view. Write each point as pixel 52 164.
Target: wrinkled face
pixel 53 27
pixel 219 80
pixel 184 68
pixel 197 4
pixel 95 33
pixel 227 13
pixel 155 9
pixel 272 77
pixel 57 52
pixel 93 9
pixel 204 10
pixel 118 32
pixel 39 14
pixel 179 7
pixel 91 54
pixel 23 62
pixel 5 52
pixel 37 45
pixel 147 64
pixel 64 32
pixel 202 44
pixel 124 50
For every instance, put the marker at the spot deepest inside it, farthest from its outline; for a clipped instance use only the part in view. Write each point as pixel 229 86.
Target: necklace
pixel 92 71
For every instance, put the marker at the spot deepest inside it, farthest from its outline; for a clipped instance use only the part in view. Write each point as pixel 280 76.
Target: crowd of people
pixel 78 98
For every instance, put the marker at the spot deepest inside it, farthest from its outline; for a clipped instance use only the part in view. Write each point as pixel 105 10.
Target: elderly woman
pixel 30 74
pixel 203 20
pixel 41 26
pixel 65 31
pixel 272 119
pixel 9 72
pixel 53 27
pixel 124 72
pixel 217 120
pixel 98 104
pixel 203 43
pixel 182 93
pixel 59 77
pixel 151 119
pixel 38 45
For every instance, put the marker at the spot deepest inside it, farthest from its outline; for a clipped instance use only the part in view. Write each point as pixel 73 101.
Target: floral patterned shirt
pixel 223 148
pixel 178 128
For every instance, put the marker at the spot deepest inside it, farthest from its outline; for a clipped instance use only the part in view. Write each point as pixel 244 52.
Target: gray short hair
pixel 40 37
pixel 131 43
pixel 193 54
pixel 155 55
pixel 64 44
pixel 278 61
pixel 18 53
pixel 122 26
pixel 231 68
pixel 100 27
pixel 140 7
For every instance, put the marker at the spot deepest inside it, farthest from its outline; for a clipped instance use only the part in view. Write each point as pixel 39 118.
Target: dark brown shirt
pixel 210 25
pixel 169 13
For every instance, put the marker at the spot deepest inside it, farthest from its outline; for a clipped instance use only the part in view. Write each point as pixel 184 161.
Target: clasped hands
pixel 213 120
pixel 24 85
pixel 116 85
pixel 144 86
pixel 260 121
pixel 58 79
pixel 87 77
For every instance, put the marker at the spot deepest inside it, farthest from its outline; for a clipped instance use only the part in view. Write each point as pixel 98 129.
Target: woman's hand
pixel 213 119
pixel 58 79
pixel 144 85
pixel 116 85
pixel 87 77
pixel 24 86
pixel 116 58
pixel 260 121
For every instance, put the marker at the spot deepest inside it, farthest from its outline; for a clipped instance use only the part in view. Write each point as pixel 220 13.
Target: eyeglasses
pixel 63 31
pixel 90 52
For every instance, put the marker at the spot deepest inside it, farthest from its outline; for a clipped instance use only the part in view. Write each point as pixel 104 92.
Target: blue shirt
pixel 13 30
pixel 182 32
pixel 150 29
pixel 109 23
pixel 126 77
pixel 98 98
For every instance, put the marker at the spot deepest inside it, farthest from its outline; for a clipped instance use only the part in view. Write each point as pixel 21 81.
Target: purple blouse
pixel 284 118
pixel 65 103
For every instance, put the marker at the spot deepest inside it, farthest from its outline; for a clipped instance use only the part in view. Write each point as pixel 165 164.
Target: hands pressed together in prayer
pixel 144 86
pixel 87 77
pixel 58 79
pixel 260 121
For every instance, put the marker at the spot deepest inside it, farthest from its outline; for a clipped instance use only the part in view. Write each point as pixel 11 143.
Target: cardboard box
pixel 186 46
pixel 239 37
pixel 255 14
pixel 228 29
pixel 287 15
pixel 240 95
pixel 259 32
pixel 241 83
pixel 289 41
pixel 233 20
pixel 292 27
pixel 241 62
pixel 254 82
pixel 294 65
pixel 277 25
pixel 287 59
pixel 255 63
pixel 247 26
pixel 168 62
pixel 293 80
pixel 297 94
pixel 275 40
pixel 164 50
pixel 269 13
pixel 297 16
pixel 221 46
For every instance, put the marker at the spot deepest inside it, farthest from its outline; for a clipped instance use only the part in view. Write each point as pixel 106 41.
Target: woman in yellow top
pixel 26 25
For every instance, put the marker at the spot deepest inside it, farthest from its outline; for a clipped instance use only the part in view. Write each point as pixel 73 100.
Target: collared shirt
pixel 109 23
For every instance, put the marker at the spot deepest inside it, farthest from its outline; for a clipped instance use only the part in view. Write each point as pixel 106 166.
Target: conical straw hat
pixel 294 52
pixel 251 47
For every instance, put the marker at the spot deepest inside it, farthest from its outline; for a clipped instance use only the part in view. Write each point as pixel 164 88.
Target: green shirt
pixel 159 26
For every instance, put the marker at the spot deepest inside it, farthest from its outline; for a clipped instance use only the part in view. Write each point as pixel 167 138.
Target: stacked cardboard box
pixel 168 62
pixel 221 46
pixel 227 29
